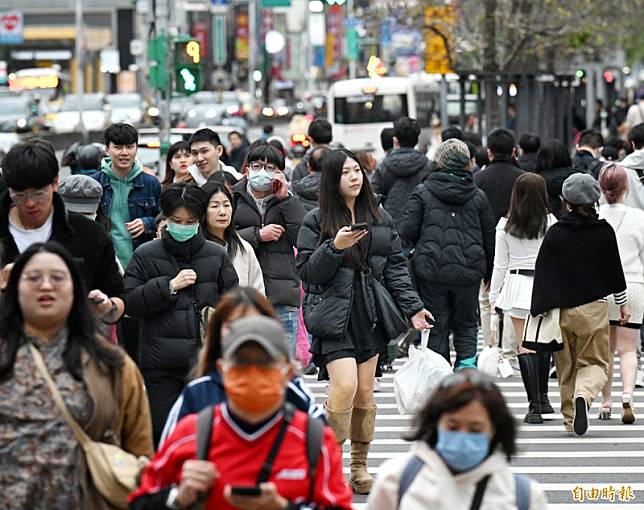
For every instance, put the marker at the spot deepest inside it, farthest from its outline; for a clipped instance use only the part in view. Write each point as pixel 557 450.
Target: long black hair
pixel 231 237
pixel 188 196
pixel 553 154
pixel 334 212
pixel 529 209
pixel 80 323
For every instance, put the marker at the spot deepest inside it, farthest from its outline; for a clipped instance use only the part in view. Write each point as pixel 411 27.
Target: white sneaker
pixel 639 381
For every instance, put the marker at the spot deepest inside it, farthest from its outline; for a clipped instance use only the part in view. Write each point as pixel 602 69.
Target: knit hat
pixel 80 193
pixel 449 149
pixel 581 189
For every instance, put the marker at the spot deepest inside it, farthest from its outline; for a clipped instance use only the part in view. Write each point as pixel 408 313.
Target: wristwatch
pixel 171 501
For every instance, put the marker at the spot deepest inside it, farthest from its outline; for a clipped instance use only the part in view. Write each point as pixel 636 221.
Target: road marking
pixel 535 455
pixel 552 470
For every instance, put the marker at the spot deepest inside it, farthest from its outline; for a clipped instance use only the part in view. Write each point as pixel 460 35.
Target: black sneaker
pixel 580 421
pixel 310 369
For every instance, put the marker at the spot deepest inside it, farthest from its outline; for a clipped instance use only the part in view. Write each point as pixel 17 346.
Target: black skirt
pixel 362 340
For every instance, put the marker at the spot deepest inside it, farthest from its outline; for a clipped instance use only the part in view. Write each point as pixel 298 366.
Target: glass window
pixel 425 108
pixel 369 108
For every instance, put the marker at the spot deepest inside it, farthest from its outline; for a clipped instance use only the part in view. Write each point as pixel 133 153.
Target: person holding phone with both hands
pixel 349 255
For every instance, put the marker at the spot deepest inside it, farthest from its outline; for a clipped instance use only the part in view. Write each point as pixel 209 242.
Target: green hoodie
pixel 119 212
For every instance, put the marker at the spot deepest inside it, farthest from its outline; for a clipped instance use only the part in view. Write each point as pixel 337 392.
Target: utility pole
pixel 162 18
pixel 252 50
pixel 80 65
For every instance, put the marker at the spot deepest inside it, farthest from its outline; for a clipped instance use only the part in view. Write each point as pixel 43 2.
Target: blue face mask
pixel 182 233
pixel 462 451
pixel 260 180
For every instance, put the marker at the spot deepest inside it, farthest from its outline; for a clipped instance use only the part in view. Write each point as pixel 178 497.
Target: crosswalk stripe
pixel 550 470
pixel 528 455
pixel 541 440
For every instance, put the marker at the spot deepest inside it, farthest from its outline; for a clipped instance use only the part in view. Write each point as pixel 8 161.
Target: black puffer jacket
pixel 451 223
pixel 328 282
pixel 555 178
pixel 584 162
pixel 170 332
pixel 397 176
pixel 307 190
pixel 276 258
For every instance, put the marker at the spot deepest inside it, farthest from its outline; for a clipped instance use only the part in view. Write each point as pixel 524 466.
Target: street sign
pixel 219 53
pixel 11 27
pixel 353 49
pixel 267 4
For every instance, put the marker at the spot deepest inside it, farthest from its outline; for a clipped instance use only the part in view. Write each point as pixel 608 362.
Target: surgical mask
pixel 182 233
pixel 254 389
pixel 261 180
pixel 462 451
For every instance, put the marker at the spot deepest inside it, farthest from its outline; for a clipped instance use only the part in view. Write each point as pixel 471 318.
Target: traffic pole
pixel 80 68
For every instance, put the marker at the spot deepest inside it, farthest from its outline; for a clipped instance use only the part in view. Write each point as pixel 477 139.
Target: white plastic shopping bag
pixel 419 376
pixel 491 361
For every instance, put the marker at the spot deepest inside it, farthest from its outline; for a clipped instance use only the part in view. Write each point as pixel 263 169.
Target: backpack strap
pixel 267 467
pixel 640 174
pixel 522 491
pixel 408 476
pixel 204 432
pixel 314 433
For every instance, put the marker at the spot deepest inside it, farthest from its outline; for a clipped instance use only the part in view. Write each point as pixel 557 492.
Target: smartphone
pixel 97 301
pixel 359 226
pixel 276 186
pixel 246 491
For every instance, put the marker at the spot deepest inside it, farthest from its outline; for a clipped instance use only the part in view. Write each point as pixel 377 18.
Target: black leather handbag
pixel 393 321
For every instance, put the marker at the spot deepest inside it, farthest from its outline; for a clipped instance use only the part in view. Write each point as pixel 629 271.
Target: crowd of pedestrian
pixel 166 319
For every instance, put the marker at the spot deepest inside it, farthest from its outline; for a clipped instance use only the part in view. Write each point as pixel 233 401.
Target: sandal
pixel 604 413
pixel 628 416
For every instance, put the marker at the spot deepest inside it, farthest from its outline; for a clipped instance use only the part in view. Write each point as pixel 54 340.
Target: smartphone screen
pixel 246 491
pixel 276 186
pixel 359 226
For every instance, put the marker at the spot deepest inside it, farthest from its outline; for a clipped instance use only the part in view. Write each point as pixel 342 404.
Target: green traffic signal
pixel 580 73
pixel 187 80
pixel 187 66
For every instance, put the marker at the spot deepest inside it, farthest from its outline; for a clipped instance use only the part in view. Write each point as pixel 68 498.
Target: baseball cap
pixel 265 331
pixel 581 189
pixel 450 148
pixel 80 193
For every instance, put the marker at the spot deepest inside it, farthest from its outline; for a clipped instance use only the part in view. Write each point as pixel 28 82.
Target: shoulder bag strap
pixel 478 495
pixel 80 434
pixel 408 476
pixel 265 472
pixel 204 432
pixel 314 434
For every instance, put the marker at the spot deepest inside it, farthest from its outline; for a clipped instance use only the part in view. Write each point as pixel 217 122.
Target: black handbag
pixel 393 321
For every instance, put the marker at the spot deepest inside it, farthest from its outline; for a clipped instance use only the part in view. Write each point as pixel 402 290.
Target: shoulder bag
pixel 393 321
pixel 114 471
pixel 543 333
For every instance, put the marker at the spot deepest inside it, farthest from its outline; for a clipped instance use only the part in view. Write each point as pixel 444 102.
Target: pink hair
pixel 613 182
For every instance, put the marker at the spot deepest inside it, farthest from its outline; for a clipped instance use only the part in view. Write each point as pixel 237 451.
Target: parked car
pixel 205 115
pixel 127 108
pixel 95 114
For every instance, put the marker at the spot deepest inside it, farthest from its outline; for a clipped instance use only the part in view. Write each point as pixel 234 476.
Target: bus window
pixel 425 108
pixel 369 108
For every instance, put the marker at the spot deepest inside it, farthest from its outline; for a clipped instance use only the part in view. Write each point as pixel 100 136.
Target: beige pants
pixel 582 365
pixel 509 341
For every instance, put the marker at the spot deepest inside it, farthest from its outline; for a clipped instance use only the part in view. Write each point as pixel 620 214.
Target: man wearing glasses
pixel 31 211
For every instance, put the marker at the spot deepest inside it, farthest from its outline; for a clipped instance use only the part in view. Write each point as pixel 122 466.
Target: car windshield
pixel 11 105
pixel 125 101
pixel 89 103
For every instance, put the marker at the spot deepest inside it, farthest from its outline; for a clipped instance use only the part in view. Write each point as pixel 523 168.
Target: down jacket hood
pixel 452 187
pixel 634 160
pixel 308 187
pixel 405 162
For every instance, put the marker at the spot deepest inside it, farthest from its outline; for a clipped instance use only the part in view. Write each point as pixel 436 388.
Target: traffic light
pixel 157 58
pixel 608 76
pixel 187 66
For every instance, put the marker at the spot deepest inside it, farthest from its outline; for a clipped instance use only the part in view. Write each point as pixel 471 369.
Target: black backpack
pixel 313 440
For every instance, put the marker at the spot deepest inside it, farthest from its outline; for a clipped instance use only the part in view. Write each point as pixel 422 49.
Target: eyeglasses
pixel 35 280
pixel 471 376
pixel 38 196
pixel 256 167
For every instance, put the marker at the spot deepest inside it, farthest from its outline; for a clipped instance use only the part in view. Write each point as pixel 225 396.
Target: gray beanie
pixel 448 149
pixel 80 193
pixel 581 189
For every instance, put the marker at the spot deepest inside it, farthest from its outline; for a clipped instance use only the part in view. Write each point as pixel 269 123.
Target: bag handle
pixel 80 434
pixel 424 339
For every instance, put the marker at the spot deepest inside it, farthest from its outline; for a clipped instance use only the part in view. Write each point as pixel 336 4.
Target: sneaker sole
pixel 628 417
pixel 580 421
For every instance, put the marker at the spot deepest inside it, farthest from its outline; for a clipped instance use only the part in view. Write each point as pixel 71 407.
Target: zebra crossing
pixel 605 467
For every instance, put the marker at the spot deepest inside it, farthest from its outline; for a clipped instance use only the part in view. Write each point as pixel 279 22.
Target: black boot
pixel 544 372
pixel 529 374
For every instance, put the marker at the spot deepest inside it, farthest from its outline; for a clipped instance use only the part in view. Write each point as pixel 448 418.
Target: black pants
pixel 127 331
pixel 455 309
pixel 163 388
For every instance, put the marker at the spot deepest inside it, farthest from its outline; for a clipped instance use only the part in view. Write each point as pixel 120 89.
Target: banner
pixel 11 27
pixel 241 36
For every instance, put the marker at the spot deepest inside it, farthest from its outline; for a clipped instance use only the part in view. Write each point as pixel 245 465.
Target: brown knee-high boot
pixel 363 424
pixel 339 421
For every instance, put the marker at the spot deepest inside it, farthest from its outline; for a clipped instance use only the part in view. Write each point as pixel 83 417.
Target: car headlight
pixel 21 123
pixel 282 111
pixel 267 111
pixel 153 111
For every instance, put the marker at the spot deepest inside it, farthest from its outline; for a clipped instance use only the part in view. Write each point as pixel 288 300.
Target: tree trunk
pixel 490 65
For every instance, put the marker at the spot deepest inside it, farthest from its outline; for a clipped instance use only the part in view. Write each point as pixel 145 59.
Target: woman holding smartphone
pixel 339 261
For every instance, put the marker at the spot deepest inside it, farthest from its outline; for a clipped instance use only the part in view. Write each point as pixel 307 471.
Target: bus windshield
pixel 370 108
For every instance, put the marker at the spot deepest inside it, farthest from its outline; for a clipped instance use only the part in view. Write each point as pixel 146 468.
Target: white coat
pixel 248 270
pixel 437 488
